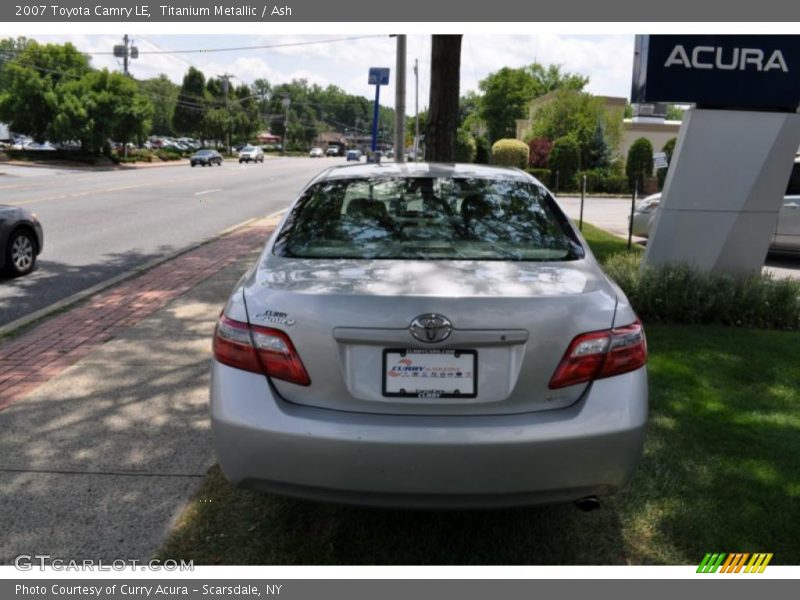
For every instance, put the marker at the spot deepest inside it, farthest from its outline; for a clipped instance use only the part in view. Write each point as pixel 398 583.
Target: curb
pixel 42 313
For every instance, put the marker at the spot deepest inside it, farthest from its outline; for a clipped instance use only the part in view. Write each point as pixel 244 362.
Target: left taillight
pixel 258 350
pixel 601 354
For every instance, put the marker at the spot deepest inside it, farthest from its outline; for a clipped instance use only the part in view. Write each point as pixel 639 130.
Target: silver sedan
pixel 785 238
pixel 423 335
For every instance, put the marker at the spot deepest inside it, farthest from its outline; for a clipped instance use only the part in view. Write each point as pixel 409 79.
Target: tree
pixel 442 122
pixel 565 161
pixel 163 95
pixel 191 104
pixel 508 92
pixel 99 106
pixel 598 154
pixel 29 80
pixel 466 148
pixel 578 115
pixel 640 163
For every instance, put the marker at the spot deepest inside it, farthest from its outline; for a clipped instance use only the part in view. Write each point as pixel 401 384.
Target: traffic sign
pixel 660 160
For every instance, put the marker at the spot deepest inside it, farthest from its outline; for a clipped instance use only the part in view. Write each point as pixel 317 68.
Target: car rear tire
pixel 20 253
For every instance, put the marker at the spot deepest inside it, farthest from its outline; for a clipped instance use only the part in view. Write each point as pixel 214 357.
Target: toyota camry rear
pixel 428 335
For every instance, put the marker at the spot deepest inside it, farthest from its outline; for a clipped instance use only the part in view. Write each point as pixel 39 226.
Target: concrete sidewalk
pixel 105 432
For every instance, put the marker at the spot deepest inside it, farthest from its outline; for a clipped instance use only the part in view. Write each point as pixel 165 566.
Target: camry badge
pixel 431 328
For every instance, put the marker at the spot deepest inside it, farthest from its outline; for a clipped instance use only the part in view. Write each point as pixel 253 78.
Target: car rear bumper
pixel 589 448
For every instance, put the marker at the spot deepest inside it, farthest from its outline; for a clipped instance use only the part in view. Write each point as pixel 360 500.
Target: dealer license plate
pixel 430 373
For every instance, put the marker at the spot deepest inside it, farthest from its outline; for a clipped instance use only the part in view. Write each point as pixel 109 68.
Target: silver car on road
pixel 423 335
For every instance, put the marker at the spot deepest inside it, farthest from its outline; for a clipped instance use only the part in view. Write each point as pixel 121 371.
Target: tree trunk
pixel 440 135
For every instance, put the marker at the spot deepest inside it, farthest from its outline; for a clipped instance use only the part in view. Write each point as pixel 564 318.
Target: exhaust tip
pixel 587 504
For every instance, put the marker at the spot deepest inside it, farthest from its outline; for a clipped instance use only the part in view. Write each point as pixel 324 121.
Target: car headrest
pixel 366 208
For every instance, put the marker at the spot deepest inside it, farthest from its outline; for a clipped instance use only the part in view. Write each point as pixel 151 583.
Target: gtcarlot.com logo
pixel 737 562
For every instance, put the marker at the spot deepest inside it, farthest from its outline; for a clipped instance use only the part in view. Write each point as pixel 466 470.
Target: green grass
pixel 605 244
pixel 721 472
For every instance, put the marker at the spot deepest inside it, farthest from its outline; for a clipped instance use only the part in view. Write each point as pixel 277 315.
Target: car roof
pixel 422 169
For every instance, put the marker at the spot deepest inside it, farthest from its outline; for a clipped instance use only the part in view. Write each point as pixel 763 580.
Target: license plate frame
pixel 431 393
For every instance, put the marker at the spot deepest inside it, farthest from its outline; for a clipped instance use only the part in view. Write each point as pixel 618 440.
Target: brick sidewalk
pixel 41 354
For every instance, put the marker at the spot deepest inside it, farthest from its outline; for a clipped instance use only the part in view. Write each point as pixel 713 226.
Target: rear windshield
pixel 427 218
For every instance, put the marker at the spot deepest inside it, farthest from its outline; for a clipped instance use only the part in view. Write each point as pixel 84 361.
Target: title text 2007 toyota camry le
pixel 424 335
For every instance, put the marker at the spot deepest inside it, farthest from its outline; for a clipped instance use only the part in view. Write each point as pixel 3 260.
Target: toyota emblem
pixel 431 328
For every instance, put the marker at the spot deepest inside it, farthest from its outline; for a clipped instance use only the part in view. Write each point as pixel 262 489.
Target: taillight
pixel 601 354
pixel 259 350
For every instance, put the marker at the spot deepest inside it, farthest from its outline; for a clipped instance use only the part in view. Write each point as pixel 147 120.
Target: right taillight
pixel 601 354
pixel 259 350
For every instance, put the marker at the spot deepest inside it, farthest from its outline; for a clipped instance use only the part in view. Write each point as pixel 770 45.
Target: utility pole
pixel 400 102
pixel 226 84
pixel 126 52
pixel 416 109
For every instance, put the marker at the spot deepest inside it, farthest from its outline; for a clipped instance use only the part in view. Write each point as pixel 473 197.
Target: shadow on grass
pixel 721 471
pixel 230 526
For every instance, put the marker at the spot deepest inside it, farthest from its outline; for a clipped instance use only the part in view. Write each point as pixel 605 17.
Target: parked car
pixel 21 240
pixel 428 335
pixel 332 151
pixel 206 158
pixel 248 153
pixel 354 155
pixel 316 153
pixel 785 238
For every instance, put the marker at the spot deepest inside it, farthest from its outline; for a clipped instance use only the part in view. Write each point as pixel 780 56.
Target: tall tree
pixel 30 76
pixel 440 137
pixel 507 93
pixel 191 104
pixel 99 106
pixel 164 96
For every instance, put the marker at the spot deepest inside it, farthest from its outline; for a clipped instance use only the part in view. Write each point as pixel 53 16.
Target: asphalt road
pixel 99 224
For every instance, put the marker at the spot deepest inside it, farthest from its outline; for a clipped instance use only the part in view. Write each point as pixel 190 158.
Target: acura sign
pixel 751 72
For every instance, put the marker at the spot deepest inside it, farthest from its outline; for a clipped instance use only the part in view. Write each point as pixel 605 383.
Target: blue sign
pixel 755 72
pixel 378 76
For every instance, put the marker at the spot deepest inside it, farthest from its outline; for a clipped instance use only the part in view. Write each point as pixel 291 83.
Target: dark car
pixel 206 158
pixel 21 240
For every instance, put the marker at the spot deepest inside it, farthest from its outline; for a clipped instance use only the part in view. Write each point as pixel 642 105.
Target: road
pixel 99 224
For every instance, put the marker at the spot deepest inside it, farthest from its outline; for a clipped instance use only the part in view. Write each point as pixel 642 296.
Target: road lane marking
pixel 204 192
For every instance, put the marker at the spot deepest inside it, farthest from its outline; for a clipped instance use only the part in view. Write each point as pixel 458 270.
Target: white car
pixel 316 153
pixel 249 153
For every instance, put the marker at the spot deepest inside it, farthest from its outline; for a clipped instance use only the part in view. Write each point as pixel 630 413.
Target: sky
pixel 606 59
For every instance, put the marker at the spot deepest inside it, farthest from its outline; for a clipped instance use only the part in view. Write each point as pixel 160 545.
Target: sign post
pixel 378 76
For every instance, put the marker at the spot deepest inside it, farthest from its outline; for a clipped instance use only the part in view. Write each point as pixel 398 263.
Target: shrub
pixel 539 153
pixel 482 150
pixel 602 181
pixel 168 155
pixel 682 293
pixel 466 148
pixel 542 175
pixel 510 153
pixel 640 163
pixel 565 159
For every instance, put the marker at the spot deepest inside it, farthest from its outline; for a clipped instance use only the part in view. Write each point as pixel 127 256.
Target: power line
pixel 240 48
